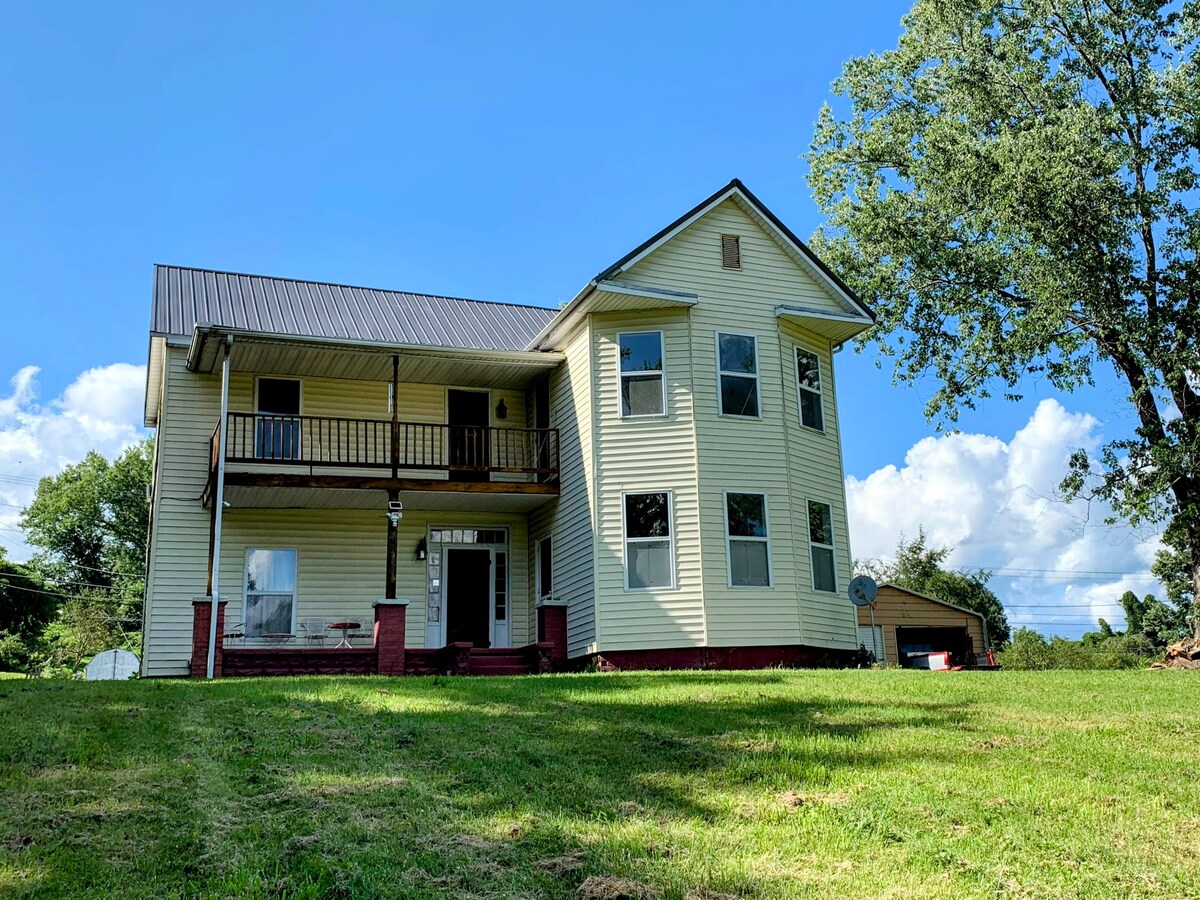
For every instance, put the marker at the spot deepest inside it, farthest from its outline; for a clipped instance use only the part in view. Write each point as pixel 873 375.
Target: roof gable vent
pixel 731 252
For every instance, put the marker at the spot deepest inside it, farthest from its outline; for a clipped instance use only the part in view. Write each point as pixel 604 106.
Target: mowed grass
pixel 685 785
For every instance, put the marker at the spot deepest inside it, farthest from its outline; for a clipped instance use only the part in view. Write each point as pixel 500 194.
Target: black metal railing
pixel 381 444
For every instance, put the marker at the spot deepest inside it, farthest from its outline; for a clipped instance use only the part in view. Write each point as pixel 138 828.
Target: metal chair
pixel 314 631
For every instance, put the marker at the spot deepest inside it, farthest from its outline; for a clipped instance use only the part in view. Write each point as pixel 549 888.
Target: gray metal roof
pixel 185 297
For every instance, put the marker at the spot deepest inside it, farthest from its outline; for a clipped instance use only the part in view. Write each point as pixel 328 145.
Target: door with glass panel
pixel 277 423
pixel 269 608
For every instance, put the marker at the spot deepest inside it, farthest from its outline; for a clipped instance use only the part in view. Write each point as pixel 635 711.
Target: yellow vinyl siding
pixel 179 540
pixel 341 557
pixel 767 455
pixel 816 473
pixel 569 520
pixel 897 608
pixel 646 455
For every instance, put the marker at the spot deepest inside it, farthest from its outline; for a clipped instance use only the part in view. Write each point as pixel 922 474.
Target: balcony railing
pixel 462 450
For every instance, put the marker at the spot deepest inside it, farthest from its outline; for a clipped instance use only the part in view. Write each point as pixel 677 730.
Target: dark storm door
pixel 467 413
pixel 468 596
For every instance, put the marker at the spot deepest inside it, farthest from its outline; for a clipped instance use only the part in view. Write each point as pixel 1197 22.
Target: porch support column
pixel 390 620
pixel 201 628
pixel 218 499
pixel 393 546
pixel 552 628
pixel 395 449
pixel 393 532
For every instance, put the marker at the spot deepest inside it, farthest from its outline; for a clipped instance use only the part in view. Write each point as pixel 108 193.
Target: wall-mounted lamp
pixel 501 409
pixel 422 549
pixel 395 512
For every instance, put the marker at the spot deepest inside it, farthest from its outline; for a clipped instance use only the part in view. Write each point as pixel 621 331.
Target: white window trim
pixel 496 621
pixel 542 594
pixel 662 374
pixel 295 590
pixel 757 376
pixel 830 547
pixel 820 391
pixel 761 540
pixel 625 540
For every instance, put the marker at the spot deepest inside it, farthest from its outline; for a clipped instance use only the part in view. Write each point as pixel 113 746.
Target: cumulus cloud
pixel 99 411
pixel 995 502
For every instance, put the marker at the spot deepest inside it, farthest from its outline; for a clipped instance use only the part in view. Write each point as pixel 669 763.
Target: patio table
pixel 345 628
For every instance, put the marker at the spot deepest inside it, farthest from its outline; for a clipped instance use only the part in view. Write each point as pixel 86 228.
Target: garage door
pixel 954 641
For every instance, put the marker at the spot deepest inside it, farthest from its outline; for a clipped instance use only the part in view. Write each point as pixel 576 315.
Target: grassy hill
pixel 685 785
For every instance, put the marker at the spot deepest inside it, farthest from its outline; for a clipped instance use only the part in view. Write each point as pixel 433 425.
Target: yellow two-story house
pixel 364 480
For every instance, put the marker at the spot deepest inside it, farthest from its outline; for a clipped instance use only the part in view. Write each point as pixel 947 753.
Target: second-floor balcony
pixel 400 449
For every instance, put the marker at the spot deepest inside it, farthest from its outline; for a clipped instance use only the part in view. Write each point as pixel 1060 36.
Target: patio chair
pixel 313 631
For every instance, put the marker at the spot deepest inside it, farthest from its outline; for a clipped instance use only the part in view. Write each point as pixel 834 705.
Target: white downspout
pixel 219 500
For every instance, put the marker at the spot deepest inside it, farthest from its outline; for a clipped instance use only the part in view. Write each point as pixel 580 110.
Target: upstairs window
pixel 820 540
pixel 746 539
pixel 643 389
pixel 737 365
pixel 731 251
pixel 808 382
pixel 649 546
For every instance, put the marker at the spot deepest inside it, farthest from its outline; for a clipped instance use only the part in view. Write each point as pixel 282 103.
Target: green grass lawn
pixel 685 785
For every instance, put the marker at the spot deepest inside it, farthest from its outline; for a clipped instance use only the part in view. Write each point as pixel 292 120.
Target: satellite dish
pixel 862 590
pixel 112 665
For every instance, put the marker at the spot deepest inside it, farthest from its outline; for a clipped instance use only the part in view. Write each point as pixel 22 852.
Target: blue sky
pixel 503 153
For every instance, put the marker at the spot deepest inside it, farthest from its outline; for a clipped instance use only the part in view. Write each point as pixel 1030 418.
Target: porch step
pixel 498 662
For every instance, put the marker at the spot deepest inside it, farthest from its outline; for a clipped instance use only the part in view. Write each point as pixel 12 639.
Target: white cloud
pixel 996 504
pixel 99 411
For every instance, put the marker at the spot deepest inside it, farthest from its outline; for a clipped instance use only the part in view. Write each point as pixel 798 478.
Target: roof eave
pixel 203 331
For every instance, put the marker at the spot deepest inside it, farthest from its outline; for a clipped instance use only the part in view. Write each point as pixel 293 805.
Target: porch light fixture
pixel 501 409
pixel 422 549
pixel 395 512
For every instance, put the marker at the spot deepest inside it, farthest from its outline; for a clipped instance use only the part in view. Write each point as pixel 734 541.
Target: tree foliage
pixel 919 567
pixel 90 522
pixel 90 525
pixel 1014 191
pixel 25 609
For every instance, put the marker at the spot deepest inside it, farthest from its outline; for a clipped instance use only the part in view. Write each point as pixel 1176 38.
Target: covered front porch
pixel 383 652
pixel 418 493
pixel 304 588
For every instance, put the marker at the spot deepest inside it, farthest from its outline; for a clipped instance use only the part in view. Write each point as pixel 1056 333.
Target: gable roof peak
pixel 769 222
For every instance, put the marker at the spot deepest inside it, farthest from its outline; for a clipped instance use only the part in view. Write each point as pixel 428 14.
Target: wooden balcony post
pixel 393 546
pixel 395 416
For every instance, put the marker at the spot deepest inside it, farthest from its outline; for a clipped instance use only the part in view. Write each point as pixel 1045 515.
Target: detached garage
pixel 909 625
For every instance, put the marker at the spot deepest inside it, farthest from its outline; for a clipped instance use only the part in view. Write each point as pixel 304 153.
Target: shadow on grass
pixel 415 787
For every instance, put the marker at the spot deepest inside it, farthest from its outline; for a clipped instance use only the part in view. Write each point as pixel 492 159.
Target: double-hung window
pixel 820 541
pixel 808 382
pixel 270 592
pixel 643 389
pixel 649 547
pixel 737 365
pixel 746 537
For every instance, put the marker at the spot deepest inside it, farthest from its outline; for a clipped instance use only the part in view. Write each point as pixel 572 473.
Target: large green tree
pixel 90 521
pixel 26 607
pixel 90 524
pixel 919 567
pixel 1013 189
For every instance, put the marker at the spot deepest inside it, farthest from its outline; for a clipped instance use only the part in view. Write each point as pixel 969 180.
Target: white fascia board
pixel 809 313
pixel 564 322
pixel 533 358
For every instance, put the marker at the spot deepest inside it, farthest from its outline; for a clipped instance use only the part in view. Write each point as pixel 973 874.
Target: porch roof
pixel 270 353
